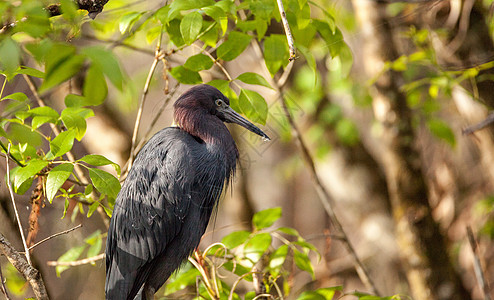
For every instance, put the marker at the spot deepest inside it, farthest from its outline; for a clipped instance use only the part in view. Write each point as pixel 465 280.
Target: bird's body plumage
pixel 166 202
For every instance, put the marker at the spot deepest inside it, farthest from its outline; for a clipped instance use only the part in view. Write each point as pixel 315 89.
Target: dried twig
pixel 481 125
pixel 2 286
pixel 157 57
pixel 479 273
pixel 288 32
pixel 32 275
pixel 9 185
pixel 55 235
pixel 89 260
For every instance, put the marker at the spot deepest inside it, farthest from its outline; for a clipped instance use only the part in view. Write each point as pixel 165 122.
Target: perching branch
pixel 9 186
pixel 288 32
pixel 85 261
pixel 93 7
pixel 55 235
pixel 477 266
pixel 32 275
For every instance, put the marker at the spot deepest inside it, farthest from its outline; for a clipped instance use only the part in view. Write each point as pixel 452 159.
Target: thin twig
pixel 288 32
pixel 55 235
pixel 32 275
pixel 4 290
pixel 481 125
pixel 89 260
pixel 479 273
pixel 9 185
pixel 145 91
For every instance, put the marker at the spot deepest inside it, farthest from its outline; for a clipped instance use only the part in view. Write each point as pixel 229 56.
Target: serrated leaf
pixel 185 76
pixel 235 239
pixel 253 106
pixel 253 78
pixel 29 170
pixel 56 178
pixel 236 44
pixel 198 62
pixel 95 89
pixel 190 26
pixel 256 246
pixel 99 160
pixel 107 63
pixel 266 218
pixel 62 143
pixel 276 52
pixel 105 183
pixel 71 255
pixel 21 97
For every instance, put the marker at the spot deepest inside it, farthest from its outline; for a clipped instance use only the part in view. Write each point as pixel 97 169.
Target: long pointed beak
pixel 232 116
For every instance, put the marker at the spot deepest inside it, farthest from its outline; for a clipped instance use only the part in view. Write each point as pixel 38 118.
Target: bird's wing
pixel 149 211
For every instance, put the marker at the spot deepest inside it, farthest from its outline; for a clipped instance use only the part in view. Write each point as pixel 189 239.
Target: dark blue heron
pixel 167 199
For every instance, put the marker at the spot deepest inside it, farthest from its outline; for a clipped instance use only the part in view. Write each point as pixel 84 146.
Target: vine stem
pixel 11 192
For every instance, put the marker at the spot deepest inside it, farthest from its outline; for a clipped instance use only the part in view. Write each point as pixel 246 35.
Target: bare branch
pixel 55 235
pixel 32 275
pixel 85 261
pixel 2 286
pixel 9 185
pixel 479 273
pixel 288 32
pixel 481 125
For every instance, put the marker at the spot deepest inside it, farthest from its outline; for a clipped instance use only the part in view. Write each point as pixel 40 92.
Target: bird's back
pixel 162 211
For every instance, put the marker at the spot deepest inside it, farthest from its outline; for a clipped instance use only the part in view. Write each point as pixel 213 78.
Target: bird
pixel 171 190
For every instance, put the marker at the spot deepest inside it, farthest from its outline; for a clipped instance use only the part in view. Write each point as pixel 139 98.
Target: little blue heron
pixel 172 188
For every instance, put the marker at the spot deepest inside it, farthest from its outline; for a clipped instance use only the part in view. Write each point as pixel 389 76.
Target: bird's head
pixel 205 99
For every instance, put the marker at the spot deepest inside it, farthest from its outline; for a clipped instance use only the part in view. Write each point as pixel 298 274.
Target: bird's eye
pixel 219 102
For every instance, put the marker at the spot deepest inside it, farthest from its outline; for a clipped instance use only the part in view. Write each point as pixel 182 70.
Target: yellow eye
pixel 219 102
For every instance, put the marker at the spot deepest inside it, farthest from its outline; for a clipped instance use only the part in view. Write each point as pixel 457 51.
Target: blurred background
pixel 384 94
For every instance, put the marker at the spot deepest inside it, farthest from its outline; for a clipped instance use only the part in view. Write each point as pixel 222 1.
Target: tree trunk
pixel 430 272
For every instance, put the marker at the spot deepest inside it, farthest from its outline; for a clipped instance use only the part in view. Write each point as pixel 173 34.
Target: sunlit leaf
pixel 107 63
pixel 185 76
pixel 253 78
pixel 198 62
pixel 56 178
pixel 32 168
pixel 256 246
pixel 253 106
pixel 303 262
pixel 276 52
pixel 99 160
pixel 95 89
pixel 266 218
pixel 62 143
pixel 236 44
pixel 104 182
pixel 442 130
pixel 190 26
pixel 71 255
pixel 235 239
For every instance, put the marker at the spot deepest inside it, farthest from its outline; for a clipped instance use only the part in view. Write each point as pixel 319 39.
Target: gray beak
pixel 232 116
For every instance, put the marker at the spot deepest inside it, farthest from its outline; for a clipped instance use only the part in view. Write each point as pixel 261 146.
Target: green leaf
pixel 32 168
pixel 442 130
pixel 173 29
pixel 71 255
pixel 10 58
pixel 62 143
pixel 256 246
pixel 21 97
pixel 61 64
pixel 235 239
pixel 95 247
pixel 347 132
pixel 277 258
pixel 185 76
pixel 190 26
pixel 253 106
pixel 253 78
pixel 236 44
pixel 218 14
pixel 99 160
pixel 276 52
pixel 266 218
pixel 332 36
pixel 198 62
pixel 181 5
pixel 290 231
pixel 92 208
pixel 31 72
pixel 303 262
pixel 311 295
pixel 107 63
pixel 42 115
pixel 95 89
pixel 56 178
pixel 74 118
pixel 104 182
pixel 127 20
